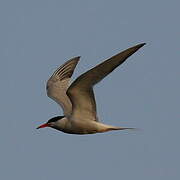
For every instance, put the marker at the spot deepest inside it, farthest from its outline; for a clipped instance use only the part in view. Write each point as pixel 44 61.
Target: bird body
pixel 77 100
pixel 82 127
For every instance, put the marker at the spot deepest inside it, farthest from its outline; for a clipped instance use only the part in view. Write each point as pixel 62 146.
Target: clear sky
pixel 36 36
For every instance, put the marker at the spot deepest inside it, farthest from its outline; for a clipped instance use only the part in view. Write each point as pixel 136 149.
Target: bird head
pixel 51 122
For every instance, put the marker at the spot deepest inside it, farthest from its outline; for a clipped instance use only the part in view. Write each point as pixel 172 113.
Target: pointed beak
pixel 43 126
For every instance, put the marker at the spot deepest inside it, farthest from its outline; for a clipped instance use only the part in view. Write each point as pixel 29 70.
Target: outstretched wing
pixel 81 90
pixel 59 82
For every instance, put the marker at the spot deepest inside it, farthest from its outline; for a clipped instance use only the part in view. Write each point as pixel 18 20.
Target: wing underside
pixel 81 90
pixel 59 82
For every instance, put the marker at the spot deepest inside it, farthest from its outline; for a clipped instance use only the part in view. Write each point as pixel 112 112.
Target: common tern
pixel 77 99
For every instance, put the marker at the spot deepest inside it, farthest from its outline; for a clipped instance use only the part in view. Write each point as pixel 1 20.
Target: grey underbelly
pixel 81 127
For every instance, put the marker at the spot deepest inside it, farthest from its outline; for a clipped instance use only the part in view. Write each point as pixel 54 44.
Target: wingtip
pixel 141 45
pixel 75 59
pixel 136 47
pixel 78 57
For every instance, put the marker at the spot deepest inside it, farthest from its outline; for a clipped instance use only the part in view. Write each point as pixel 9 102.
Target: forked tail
pixel 105 127
pixel 119 128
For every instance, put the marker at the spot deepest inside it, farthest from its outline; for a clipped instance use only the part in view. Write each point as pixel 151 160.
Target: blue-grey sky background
pixel 39 35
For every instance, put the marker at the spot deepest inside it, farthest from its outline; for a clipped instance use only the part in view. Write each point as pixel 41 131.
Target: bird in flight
pixel 77 99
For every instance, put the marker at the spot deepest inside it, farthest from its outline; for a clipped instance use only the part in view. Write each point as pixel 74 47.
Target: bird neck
pixel 60 124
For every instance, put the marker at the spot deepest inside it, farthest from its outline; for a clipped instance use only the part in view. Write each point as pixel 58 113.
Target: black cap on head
pixel 54 119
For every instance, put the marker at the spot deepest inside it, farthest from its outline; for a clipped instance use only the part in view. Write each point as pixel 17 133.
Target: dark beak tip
pixel 43 126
